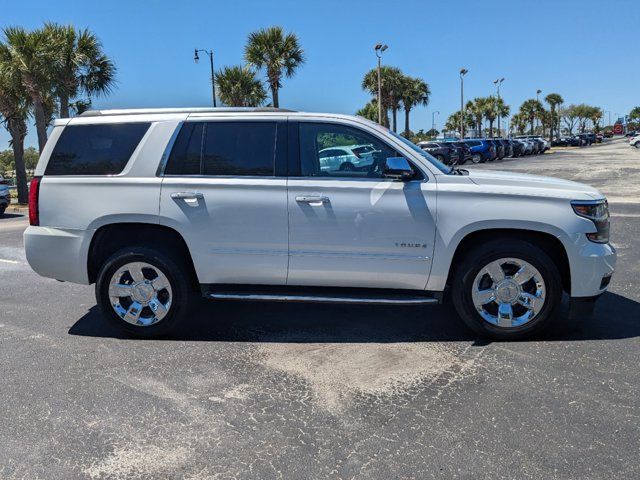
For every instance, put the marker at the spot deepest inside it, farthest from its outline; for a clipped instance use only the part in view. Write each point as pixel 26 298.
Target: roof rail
pixel 144 111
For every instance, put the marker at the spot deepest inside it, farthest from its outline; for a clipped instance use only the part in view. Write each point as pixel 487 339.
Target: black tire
pixel 3 208
pixel 180 279
pixel 347 167
pixel 476 158
pixel 478 258
pixel 441 159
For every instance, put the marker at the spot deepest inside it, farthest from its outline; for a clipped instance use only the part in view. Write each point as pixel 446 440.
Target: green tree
pixel 477 108
pixel 554 100
pixel 278 53
pixel 32 57
pixel 531 109
pixel 519 123
pixel 82 67
pixel 239 87
pixel 15 104
pixel 634 114
pixel 569 116
pixel 453 122
pixel 369 111
pixel 390 78
pixel 415 91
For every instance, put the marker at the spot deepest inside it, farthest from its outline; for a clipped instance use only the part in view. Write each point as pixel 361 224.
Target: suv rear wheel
pixel 507 290
pixel 144 291
pixel 476 158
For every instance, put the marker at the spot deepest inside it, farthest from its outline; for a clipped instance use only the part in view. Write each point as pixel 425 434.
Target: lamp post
pixel 433 119
pixel 497 83
pixel 213 80
pixel 463 72
pixel 538 92
pixel 379 48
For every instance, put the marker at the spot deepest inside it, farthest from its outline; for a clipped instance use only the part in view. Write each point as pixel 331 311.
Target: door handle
pixel 320 199
pixel 187 195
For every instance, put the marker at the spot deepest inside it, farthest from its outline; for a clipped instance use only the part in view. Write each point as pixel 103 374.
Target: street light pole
pixel 498 82
pixel 379 48
pixel 213 79
pixel 433 119
pixel 538 92
pixel 463 72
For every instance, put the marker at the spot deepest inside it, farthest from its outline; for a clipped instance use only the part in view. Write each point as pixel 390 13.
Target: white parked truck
pixel 160 206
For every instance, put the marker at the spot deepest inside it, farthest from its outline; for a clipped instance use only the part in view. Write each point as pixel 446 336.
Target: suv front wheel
pixel 507 290
pixel 144 291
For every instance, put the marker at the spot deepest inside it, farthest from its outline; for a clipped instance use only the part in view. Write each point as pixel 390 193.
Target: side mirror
pixel 397 168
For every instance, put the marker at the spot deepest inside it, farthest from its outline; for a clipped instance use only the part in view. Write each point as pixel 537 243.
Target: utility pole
pixel 213 79
pixel 538 92
pixel 498 82
pixel 379 48
pixel 433 119
pixel 463 72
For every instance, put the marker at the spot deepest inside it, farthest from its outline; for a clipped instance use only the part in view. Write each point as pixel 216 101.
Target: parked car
pixel 160 206
pixel 500 152
pixel 631 134
pixel 635 141
pixel 608 134
pixel 508 147
pixel 5 197
pixel 519 147
pixel 464 152
pixel 586 138
pixel 445 153
pixel 481 150
pixel 346 158
pixel 599 138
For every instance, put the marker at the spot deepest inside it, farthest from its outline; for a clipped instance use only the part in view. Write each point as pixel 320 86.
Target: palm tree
pixel 415 91
pixel 32 57
pixel 453 122
pixel 554 100
pixel 239 87
pixel 390 78
pixel 477 109
pixel 277 53
pixel 82 66
pixel 519 123
pixel 14 112
pixel 531 110
pixel 369 111
pixel 491 112
pixel 502 110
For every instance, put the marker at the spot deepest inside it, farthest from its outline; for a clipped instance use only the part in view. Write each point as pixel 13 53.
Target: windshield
pixel 439 165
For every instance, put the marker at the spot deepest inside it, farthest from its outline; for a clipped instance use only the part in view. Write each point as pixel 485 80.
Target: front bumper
pixel 592 265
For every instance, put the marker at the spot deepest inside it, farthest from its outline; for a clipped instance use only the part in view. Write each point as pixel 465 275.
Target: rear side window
pixel 224 148
pixel 102 149
pixel 239 148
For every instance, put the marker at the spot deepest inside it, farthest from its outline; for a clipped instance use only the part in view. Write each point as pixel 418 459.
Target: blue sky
pixel 586 50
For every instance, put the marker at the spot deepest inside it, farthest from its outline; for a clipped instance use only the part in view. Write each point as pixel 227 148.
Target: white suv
pixel 158 206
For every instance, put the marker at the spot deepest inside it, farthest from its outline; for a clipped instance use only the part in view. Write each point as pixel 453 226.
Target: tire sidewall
pixel 182 294
pixel 478 259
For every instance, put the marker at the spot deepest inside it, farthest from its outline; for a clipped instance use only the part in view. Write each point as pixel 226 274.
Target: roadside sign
pixel 618 129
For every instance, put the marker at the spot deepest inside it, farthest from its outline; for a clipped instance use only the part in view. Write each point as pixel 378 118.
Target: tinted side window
pixel 239 148
pixel 319 156
pixel 187 151
pixel 102 149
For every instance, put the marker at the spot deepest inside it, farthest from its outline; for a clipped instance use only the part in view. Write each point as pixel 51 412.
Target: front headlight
pixel 598 212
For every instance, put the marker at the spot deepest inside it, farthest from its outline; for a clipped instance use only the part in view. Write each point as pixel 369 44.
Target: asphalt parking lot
pixel 265 391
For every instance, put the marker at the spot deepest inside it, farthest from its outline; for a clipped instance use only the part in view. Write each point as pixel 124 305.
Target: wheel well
pixel 110 238
pixel 547 242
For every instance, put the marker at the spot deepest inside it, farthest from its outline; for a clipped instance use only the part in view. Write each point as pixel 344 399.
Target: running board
pixel 326 298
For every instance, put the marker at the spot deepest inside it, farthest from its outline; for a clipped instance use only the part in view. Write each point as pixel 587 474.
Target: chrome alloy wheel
pixel 140 294
pixel 508 292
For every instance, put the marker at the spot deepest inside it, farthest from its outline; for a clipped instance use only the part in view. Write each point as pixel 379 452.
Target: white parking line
pixel 2 260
